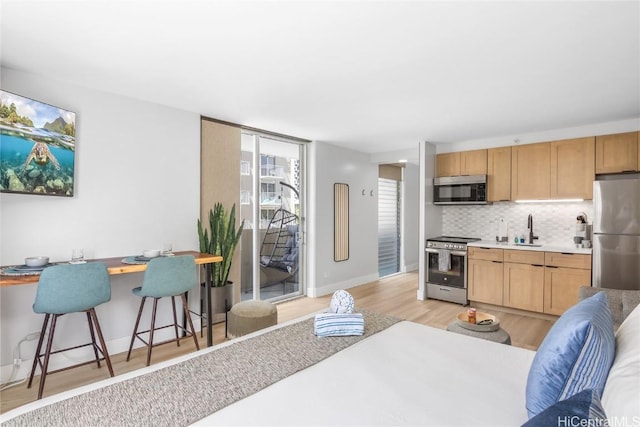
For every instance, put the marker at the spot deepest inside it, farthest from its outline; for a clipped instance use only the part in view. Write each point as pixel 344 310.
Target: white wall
pixel 137 186
pixel 330 164
pixel 430 216
pixel 410 217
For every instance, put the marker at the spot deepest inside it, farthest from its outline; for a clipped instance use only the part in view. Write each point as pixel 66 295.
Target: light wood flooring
pixel 394 295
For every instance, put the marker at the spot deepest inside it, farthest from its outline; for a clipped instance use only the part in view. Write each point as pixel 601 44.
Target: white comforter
pixel 408 374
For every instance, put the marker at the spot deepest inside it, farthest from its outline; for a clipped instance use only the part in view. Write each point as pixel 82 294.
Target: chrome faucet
pixel 530 227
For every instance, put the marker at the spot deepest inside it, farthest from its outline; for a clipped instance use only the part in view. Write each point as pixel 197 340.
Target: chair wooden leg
pixel 175 319
pixel 45 366
pixel 135 328
pixel 36 359
pixel 103 345
pixel 151 329
pixel 93 338
pixel 189 321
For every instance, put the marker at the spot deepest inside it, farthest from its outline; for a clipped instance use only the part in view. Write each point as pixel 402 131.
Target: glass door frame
pixel 302 199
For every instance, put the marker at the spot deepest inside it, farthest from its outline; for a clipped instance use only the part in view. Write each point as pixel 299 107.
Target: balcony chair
pixel 64 289
pixel 166 277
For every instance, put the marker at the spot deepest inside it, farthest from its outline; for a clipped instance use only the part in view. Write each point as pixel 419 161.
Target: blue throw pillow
pixel 575 355
pixel 582 409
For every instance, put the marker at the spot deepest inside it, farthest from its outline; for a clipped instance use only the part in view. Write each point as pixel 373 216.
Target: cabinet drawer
pixel 559 259
pixel 487 254
pixel 524 257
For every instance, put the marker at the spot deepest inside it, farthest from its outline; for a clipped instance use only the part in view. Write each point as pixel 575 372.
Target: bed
pixel 398 373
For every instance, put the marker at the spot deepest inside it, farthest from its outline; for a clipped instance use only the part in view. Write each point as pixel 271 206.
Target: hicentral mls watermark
pixel 575 421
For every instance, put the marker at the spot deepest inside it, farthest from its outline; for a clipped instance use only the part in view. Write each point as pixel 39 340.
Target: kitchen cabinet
pixel 499 174
pixel 564 275
pixel 617 153
pixel 572 168
pixel 524 286
pixel 532 280
pixel 448 164
pixel 484 275
pixel 530 171
pixel 523 280
pixel 473 162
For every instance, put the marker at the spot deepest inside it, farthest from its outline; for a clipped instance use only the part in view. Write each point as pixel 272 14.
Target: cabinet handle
pixel 551 266
pixel 497 262
pixel 567 253
pixel 537 265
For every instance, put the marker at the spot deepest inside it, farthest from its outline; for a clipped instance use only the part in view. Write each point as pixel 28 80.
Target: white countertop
pixel 524 247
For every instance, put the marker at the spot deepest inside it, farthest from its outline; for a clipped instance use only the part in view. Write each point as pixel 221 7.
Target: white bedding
pixel 408 374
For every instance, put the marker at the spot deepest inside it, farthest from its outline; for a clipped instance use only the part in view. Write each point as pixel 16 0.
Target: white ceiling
pixel 373 76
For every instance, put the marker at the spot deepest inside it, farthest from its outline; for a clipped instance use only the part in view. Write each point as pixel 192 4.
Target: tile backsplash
pixel 553 223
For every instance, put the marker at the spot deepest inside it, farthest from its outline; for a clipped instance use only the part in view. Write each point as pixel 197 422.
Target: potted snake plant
pixel 220 238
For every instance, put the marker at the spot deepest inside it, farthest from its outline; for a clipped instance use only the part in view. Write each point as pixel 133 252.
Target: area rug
pixel 184 393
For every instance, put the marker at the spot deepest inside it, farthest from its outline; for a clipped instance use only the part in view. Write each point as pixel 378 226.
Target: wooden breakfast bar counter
pixel 116 266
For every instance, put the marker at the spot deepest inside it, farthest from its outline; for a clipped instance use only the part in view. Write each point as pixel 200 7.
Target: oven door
pixel 453 276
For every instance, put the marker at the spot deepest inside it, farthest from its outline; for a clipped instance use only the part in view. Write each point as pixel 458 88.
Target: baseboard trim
pixel 332 287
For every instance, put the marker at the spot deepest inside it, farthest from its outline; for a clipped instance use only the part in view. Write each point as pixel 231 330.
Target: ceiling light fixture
pixel 402 161
pixel 551 201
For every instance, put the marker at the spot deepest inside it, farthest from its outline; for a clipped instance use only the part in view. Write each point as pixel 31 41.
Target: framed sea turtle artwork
pixel 37 147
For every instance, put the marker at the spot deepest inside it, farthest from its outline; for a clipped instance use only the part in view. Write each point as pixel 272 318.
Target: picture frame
pixel 37 147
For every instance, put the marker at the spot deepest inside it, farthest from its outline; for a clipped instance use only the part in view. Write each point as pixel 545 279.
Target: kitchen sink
pixel 534 245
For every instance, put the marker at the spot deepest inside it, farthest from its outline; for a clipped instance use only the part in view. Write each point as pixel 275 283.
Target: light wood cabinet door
pixel 447 164
pixel 561 287
pixel 473 162
pixel 530 171
pixel 617 153
pixel 485 281
pixel 523 286
pixel 487 254
pixel 561 259
pixel 573 168
pixel 499 174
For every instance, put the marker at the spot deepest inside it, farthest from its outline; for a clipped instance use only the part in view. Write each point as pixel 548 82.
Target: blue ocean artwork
pixel 37 147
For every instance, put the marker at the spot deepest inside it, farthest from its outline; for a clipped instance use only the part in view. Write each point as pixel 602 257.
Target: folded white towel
pixel 444 260
pixel 338 324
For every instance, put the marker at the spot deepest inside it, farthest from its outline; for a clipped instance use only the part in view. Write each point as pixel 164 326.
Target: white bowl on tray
pixel 151 253
pixel 36 261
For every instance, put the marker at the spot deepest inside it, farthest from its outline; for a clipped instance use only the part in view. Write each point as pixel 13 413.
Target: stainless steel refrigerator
pixel 616 232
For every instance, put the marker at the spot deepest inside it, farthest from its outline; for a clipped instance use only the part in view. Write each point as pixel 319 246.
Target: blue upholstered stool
pixel 64 289
pixel 166 277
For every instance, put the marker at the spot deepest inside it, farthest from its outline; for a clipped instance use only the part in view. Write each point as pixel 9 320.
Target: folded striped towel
pixel 338 324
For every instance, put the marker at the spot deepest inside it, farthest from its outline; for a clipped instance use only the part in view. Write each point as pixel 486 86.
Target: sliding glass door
pixel 272 206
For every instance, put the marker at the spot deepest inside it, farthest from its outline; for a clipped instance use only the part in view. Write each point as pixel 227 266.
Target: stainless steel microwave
pixel 460 190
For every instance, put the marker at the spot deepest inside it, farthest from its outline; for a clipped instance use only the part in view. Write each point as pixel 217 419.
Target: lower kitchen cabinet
pixel 563 276
pixel 561 287
pixel 543 282
pixel 523 286
pixel 485 281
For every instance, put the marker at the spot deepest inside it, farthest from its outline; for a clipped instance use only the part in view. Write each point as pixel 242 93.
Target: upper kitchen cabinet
pixel 499 174
pixel 472 162
pixel 572 168
pixel 447 164
pixel 617 153
pixel 530 171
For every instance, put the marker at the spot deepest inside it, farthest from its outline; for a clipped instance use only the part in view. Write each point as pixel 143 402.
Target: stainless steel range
pixel 447 268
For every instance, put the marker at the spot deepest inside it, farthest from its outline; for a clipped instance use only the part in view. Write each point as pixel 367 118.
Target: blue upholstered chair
pixel 166 277
pixel 64 289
